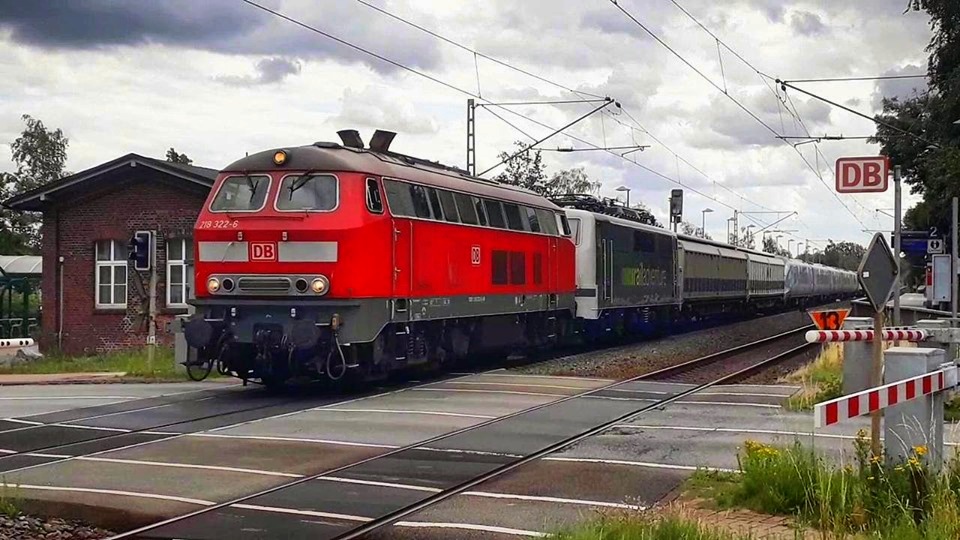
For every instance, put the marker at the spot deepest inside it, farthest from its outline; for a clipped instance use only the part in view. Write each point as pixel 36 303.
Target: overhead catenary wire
pixel 554 132
pixel 475 52
pixel 753 115
pixel 849 79
pixel 538 77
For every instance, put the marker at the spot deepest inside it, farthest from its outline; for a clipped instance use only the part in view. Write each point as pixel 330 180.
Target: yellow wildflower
pixel 920 450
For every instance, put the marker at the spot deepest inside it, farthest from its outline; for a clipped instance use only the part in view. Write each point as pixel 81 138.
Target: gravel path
pixel 626 361
pixel 30 528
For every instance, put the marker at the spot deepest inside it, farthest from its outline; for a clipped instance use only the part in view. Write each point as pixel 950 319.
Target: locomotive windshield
pixel 241 194
pixel 317 193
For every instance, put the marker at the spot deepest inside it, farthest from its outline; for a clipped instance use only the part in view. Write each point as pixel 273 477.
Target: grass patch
pixel 9 501
pixel 819 380
pixel 644 526
pixel 865 499
pixel 133 362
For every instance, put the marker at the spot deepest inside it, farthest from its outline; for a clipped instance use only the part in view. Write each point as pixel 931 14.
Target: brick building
pixel 93 299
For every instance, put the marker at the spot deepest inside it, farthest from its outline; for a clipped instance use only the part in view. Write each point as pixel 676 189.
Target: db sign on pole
pixel 862 174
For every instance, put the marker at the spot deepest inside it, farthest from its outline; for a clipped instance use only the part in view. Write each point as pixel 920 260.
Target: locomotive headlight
pixel 320 285
pixel 213 285
pixel 279 157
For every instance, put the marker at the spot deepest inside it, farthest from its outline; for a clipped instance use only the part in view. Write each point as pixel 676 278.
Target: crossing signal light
pixel 141 248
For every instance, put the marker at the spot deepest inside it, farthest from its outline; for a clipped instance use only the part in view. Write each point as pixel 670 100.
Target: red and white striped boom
pixel 874 399
pixel 887 334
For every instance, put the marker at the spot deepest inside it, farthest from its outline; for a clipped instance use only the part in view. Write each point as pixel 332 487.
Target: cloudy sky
pixel 220 78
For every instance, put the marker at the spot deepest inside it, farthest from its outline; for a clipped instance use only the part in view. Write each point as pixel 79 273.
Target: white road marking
pixel 704 393
pixel 525 376
pixel 5 451
pixel 137 494
pixel 49 398
pixel 189 466
pixel 43 455
pixel 471 527
pixel 410 487
pixel 524 385
pixel 487 494
pixel 95 428
pixel 753 431
pixel 559 500
pixel 21 421
pixel 289 439
pixel 406 411
pixel 295 512
pixel 683 402
pixel 363 519
pixel 647 464
pixel 485 391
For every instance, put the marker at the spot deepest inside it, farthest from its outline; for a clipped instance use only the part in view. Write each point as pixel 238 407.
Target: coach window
pixel 514 221
pixel 111 274
pixel 314 193
pixel 494 213
pixel 468 213
pixel 374 201
pixel 241 194
pixel 435 203
pixel 532 221
pixel 421 204
pixel 573 226
pixel 398 197
pixel 179 271
pixel 548 221
pixel 478 207
pixel 449 206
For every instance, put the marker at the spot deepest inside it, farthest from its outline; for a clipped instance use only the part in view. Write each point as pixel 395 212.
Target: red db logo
pixel 263 251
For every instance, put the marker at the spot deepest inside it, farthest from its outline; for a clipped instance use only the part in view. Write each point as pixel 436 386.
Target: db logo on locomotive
pixel 263 251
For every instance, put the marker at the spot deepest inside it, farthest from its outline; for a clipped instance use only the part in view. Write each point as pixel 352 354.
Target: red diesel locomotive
pixel 334 259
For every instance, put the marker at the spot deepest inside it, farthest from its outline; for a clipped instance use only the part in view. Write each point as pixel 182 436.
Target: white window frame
pixel 112 263
pixel 185 275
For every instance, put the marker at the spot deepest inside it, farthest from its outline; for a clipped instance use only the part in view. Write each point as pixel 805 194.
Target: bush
pixel 644 526
pixel 905 500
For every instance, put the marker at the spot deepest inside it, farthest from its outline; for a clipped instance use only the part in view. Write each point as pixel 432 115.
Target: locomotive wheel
pixel 199 370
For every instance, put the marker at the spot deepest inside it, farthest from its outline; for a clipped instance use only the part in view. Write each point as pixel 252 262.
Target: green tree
pixel 569 181
pixel 846 255
pixel 174 157
pixel 770 246
pixel 931 170
pixel 39 155
pixel 525 169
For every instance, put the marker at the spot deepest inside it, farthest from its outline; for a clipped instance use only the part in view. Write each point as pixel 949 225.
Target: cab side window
pixel 374 199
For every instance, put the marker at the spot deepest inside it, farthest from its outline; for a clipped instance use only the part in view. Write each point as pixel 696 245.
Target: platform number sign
pixel 475 255
pixel 263 251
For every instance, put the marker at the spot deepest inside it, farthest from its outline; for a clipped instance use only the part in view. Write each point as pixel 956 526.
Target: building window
pixel 111 274
pixel 179 271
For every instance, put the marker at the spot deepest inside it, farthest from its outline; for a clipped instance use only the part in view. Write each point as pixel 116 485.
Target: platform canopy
pixel 20 266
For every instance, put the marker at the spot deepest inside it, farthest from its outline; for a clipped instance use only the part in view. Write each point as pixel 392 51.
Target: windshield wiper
pixel 253 187
pixel 300 182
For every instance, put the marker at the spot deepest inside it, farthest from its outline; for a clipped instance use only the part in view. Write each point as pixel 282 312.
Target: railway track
pixel 736 363
pixel 48 438
pixel 318 506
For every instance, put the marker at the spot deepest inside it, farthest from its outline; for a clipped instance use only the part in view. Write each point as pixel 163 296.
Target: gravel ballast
pixel 625 361
pixel 31 528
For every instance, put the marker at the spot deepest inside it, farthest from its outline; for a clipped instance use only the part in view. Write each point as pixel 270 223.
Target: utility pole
pixel 897 231
pixel 953 260
pixel 471 137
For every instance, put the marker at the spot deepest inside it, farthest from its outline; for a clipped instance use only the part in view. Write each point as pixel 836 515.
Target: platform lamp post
pixel 703 221
pixel 625 188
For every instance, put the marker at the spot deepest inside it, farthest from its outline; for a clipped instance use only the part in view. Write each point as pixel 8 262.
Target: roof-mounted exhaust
pixel 380 142
pixel 351 138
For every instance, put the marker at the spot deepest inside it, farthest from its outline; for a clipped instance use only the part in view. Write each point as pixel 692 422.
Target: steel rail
pixel 398 514
pixel 377 523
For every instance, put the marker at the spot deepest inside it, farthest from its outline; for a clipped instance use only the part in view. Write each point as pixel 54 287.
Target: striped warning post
pixel 843 408
pixel 15 343
pixel 887 334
